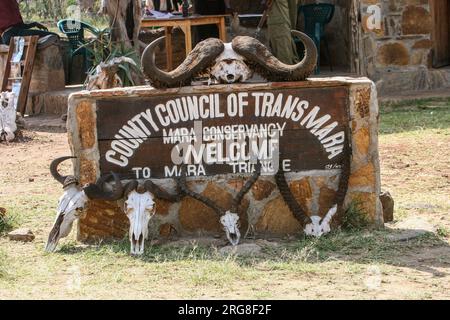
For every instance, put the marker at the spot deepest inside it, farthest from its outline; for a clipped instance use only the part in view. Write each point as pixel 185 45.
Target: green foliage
pixel 443 232
pixel 102 49
pixel 415 115
pixel 7 222
pixel 355 218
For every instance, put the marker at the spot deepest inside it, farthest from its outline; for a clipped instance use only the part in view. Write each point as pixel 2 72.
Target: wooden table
pixel 185 24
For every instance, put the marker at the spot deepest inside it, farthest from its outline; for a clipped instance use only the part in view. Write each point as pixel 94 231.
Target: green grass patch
pixel 415 116
pixel 8 221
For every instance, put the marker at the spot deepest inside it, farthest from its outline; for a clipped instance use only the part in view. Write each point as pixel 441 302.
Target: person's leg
pixel 20 32
pixel 293 12
pixel 279 27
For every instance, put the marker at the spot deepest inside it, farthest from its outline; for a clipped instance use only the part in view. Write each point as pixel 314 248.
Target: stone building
pixel 408 50
pixel 402 45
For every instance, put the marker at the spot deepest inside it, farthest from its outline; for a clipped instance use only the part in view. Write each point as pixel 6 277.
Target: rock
pixel 416 20
pixel 406 235
pixel 246 249
pixel 411 228
pixel 393 54
pixel 22 234
pixel 277 219
pixel 262 189
pixel 388 206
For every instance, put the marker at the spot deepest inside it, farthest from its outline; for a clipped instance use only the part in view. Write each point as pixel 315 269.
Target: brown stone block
pixel 302 192
pixel 363 177
pixel 86 124
pixel 388 206
pixel 195 215
pixel 327 199
pixel 423 44
pixel 367 203
pixel 88 171
pixel 236 183
pixel 362 102
pixel 393 54
pixel 162 206
pixel 416 20
pixel 277 219
pixel 102 220
pixel 361 140
pixel 262 189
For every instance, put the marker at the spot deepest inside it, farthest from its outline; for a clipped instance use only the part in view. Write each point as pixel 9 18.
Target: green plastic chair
pixel 317 16
pixel 74 31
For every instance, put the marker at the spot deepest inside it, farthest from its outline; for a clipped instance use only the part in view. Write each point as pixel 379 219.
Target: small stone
pixel 22 234
pixel 30 179
pixel 246 249
pixel 388 206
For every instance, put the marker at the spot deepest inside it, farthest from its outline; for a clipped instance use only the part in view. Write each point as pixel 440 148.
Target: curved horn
pixel 265 63
pixel 96 191
pixel 289 198
pixel 208 202
pixel 54 169
pixel 248 185
pixel 203 55
pixel 131 186
pixel 160 193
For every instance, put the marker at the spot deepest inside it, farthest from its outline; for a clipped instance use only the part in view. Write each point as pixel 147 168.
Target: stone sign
pixel 136 131
pixel 223 132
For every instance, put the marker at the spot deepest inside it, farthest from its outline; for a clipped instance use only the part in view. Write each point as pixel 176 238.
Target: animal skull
pixel 231 62
pixel 71 205
pixel 319 226
pixel 230 67
pixel 230 222
pixel 7 116
pixel 139 208
pixel 105 76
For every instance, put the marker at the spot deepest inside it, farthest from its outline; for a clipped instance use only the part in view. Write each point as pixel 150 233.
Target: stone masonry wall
pixel 266 210
pixel 399 55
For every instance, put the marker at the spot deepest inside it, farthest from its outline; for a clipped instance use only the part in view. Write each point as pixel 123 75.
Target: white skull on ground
pixel 230 67
pixel 230 223
pixel 7 116
pixel 74 199
pixel 70 206
pixel 139 208
pixel 320 226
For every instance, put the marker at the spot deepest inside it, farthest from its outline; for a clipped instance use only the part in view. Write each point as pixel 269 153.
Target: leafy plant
pixel 7 222
pixel 355 218
pixel 102 49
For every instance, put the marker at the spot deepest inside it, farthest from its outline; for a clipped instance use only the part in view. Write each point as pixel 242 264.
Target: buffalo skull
pixel 74 199
pixel 140 207
pixel 230 62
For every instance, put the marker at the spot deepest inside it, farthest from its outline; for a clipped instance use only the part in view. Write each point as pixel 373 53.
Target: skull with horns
pixel 72 202
pixel 228 218
pixel 230 62
pixel 140 207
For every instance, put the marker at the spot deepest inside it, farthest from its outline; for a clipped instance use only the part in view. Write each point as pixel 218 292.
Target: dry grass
pixel 415 156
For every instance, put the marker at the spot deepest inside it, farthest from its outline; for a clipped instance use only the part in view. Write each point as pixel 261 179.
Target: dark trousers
pixel 21 31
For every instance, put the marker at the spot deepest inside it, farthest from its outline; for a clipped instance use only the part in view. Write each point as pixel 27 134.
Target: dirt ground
pixel 410 259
